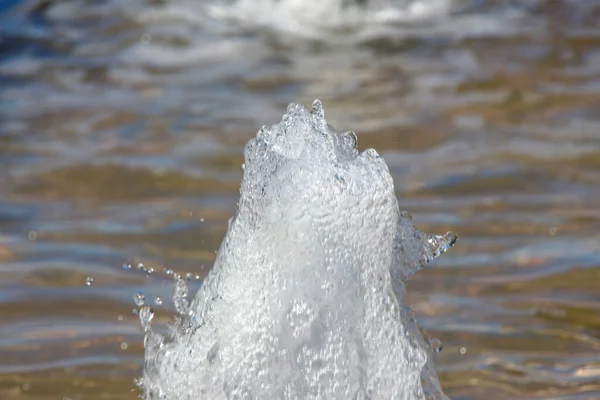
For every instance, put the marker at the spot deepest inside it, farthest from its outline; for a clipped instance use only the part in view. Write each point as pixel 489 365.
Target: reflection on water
pixel 121 129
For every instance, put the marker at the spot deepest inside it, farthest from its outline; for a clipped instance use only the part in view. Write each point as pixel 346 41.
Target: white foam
pixel 318 19
pixel 304 299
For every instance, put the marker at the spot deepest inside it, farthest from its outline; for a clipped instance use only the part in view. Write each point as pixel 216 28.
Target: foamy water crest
pixel 312 19
pixel 136 49
pixel 305 298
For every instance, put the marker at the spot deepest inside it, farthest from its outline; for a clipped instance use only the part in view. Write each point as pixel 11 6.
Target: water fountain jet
pixel 305 298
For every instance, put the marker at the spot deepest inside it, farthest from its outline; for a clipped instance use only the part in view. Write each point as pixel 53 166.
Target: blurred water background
pixel 122 124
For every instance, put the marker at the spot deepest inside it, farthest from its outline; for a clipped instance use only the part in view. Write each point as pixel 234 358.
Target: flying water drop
pixel 139 299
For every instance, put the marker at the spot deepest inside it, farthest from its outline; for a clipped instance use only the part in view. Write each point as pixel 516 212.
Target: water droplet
pixel 32 235
pixel 140 266
pixel 139 299
pixel 168 272
pixel 201 219
pixel 436 345
pixel 158 300
pixel 463 350
pixel 126 266
pixel 89 280
pixel 149 270
pixel 120 318
pixel 146 315
pixel 124 345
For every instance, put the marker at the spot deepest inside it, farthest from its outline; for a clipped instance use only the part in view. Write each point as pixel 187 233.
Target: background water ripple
pixel 122 125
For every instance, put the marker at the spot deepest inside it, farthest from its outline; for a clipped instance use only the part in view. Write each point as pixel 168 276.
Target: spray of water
pixel 305 298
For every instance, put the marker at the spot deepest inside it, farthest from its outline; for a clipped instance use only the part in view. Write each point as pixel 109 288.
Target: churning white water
pixel 305 298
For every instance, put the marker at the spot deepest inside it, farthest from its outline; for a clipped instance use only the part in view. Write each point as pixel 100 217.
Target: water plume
pixel 305 298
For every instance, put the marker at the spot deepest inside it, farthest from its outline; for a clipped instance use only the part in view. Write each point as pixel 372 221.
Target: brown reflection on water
pixel 107 159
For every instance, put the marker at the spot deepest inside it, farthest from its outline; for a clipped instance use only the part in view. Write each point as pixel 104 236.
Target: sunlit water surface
pixel 122 125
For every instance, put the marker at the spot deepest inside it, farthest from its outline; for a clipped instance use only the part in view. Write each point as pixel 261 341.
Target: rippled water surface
pixel 122 124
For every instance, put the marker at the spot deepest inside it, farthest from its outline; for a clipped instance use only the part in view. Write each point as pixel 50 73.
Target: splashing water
pixel 305 298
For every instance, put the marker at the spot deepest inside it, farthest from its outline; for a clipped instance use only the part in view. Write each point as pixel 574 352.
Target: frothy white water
pixel 312 19
pixel 305 298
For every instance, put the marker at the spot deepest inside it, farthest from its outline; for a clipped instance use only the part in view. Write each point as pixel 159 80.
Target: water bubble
pixel 120 318
pixel 26 386
pixel 463 350
pixel 140 266
pixel 32 235
pixel 123 345
pixel 146 315
pixel 139 299
pixel 158 300
pixel 552 230
pixel 201 219
pixel 126 266
pixel 89 280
